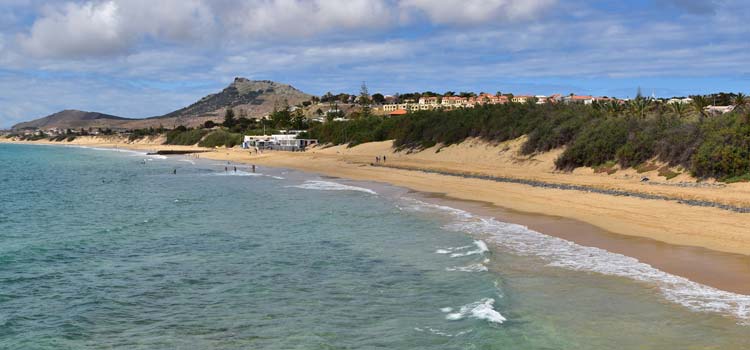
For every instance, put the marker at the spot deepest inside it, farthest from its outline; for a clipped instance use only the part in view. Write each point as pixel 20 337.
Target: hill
pixel 72 119
pixel 251 98
pixel 248 98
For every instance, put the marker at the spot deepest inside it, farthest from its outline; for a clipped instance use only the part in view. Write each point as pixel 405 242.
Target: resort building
pixel 718 109
pixel 522 99
pixel 687 100
pixel 587 100
pixel 282 142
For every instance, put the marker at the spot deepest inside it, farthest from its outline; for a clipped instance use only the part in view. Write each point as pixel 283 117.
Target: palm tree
pixel 679 109
pixel 699 105
pixel 614 107
pixel 639 106
pixel 740 101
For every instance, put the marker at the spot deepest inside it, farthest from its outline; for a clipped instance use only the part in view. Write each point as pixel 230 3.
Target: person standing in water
pixel 174 172
pixel 235 169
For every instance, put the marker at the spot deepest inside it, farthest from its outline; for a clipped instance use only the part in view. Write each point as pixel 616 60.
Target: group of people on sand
pixel 379 158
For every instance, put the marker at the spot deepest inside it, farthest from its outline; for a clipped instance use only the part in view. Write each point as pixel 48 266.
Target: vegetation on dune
pixel 599 135
pixel 220 138
pixel 184 136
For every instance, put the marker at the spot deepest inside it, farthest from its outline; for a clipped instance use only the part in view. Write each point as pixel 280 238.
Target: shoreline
pixel 699 261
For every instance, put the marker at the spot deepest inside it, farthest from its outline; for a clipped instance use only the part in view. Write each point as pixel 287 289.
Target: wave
pixel 331 186
pixel 233 173
pixel 481 249
pixel 478 267
pixel 558 252
pixel 187 161
pixel 275 177
pixel 481 310
pixel 441 333
pixel 451 250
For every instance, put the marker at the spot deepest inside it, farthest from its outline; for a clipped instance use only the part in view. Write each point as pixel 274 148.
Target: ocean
pixel 110 249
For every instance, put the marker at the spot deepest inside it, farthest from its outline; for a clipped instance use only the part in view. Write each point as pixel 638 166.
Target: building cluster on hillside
pixel 394 107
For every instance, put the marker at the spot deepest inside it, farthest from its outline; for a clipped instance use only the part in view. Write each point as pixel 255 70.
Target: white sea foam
pixel 233 173
pixel 468 268
pixel 441 333
pixel 481 249
pixel 275 177
pixel 331 186
pixel 187 161
pixel 482 310
pixel 566 254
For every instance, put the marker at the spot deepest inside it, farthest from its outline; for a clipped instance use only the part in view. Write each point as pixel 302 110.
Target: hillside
pixel 72 119
pixel 248 98
pixel 252 98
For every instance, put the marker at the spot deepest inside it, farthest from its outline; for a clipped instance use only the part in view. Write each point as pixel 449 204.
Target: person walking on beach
pixel 383 158
pixel 253 167
pixel 377 159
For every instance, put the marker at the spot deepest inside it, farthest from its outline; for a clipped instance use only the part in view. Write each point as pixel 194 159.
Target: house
pixel 587 100
pixel 715 110
pixel 522 98
pixel 554 98
pixel 687 100
pixel 432 100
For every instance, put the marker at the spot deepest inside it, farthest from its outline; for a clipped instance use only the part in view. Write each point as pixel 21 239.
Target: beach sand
pixel 705 244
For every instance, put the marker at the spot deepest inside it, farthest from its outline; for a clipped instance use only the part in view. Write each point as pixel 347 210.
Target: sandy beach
pixel 706 244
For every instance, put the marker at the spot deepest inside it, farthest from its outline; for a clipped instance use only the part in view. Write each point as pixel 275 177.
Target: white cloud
pixel 75 30
pixel 306 18
pixel 114 26
pixel 467 12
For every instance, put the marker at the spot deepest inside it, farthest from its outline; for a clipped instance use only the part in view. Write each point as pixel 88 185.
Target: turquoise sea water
pixel 103 249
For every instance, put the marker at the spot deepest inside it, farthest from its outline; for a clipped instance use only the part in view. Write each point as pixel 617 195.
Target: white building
pixel 283 142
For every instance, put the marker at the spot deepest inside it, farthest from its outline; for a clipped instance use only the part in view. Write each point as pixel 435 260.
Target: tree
pixel 299 122
pixel 282 118
pixel 679 109
pixel 229 120
pixel 364 101
pixel 209 124
pixel 378 98
pixel 740 101
pixel 639 106
pixel 699 105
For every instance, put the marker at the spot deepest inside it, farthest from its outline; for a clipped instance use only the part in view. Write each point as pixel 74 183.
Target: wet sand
pixel 725 271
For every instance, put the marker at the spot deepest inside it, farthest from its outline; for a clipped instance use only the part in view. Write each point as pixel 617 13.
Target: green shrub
pixel 595 145
pixel 725 152
pixel 186 137
pixel 220 138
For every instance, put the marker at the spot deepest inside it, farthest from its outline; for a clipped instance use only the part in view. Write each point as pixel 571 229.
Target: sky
pixel 141 58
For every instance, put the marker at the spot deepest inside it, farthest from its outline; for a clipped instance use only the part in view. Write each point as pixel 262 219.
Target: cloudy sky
pixel 139 58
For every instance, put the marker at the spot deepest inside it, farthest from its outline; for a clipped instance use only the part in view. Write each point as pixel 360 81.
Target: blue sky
pixel 140 58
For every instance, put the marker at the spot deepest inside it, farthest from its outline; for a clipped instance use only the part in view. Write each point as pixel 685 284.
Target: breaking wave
pixel 331 186
pixel 562 253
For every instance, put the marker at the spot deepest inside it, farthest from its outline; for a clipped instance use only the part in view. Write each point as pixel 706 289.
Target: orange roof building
pixel 398 112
